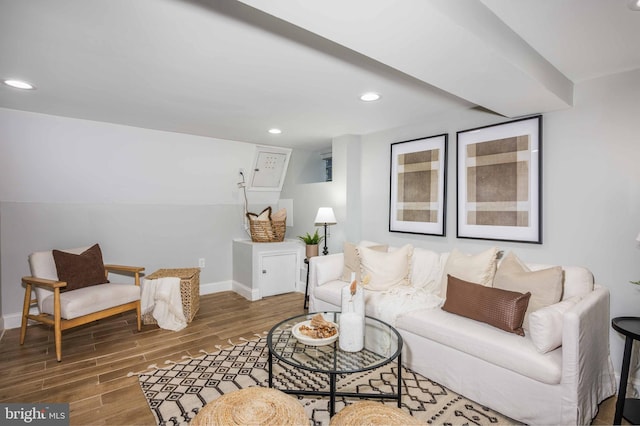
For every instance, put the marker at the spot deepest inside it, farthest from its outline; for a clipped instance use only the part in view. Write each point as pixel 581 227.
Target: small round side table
pixel 629 408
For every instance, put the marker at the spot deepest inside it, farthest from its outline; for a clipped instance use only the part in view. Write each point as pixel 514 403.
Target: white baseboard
pixel 210 288
pixel 12 320
pixel 248 293
pixel 244 291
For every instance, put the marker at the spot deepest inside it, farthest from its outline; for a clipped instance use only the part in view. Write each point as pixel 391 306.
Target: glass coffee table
pixel 382 345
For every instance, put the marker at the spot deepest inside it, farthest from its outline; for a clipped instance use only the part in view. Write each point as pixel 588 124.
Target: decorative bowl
pixel 312 341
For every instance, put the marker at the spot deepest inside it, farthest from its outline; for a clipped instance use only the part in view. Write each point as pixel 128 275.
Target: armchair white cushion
pixel 67 309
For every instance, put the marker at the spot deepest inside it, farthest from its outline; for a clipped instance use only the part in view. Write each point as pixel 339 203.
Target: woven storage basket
pixel 267 231
pixel 189 291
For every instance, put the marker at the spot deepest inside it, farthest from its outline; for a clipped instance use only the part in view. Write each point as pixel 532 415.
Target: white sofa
pixel 495 368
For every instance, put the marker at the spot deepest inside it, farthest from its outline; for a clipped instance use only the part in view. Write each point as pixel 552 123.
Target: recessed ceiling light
pixel 369 97
pixel 634 5
pixel 275 131
pixel 19 84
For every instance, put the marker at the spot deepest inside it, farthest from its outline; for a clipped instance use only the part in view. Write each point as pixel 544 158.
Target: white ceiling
pixel 233 69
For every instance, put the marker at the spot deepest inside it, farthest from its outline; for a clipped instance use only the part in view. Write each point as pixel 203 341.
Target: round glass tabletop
pixel 382 344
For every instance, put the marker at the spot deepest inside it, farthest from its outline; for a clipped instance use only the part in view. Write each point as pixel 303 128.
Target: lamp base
pixel 325 250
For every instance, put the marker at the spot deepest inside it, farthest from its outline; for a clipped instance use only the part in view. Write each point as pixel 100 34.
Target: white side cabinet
pixel 266 269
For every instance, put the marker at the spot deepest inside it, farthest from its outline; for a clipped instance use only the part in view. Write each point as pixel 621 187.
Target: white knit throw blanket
pixel 161 297
pixel 390 304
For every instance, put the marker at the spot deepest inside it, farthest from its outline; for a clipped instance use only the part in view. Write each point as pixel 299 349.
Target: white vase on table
pixel 351 337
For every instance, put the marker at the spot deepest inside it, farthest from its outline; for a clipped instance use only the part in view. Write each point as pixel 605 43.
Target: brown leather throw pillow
pixel 503 309
pixel 80 270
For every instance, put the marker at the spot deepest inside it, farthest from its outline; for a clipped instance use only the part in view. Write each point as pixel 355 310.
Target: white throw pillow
pixel 545 325
pixel 352 260
pixel 385 269
pixel 479 268
pixel 426 270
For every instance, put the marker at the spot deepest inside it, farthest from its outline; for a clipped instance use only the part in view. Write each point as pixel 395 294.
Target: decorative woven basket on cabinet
pixel 189 290
pixel 267 231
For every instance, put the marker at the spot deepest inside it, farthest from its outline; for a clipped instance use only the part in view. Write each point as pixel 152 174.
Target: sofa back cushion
pixel 500 308
pixel 577 280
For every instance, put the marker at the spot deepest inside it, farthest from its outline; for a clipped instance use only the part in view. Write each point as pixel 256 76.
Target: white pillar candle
pixel 351 332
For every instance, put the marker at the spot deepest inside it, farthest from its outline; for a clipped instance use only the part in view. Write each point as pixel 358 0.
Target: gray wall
pixel 150 198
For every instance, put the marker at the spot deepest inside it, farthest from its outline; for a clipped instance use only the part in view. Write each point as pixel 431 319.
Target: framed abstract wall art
pixel 499 181
pixel 418 186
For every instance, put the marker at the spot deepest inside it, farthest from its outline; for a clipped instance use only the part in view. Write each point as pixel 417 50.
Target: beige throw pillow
pixel 352 260
pixel 545 285
pixel 478 268
pixel 385 269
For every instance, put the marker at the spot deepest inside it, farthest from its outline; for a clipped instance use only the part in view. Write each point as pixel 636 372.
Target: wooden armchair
pixel 72 289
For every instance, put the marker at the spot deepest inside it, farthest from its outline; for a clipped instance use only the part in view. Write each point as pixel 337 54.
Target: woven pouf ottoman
pixel 252 406
pixel 369 413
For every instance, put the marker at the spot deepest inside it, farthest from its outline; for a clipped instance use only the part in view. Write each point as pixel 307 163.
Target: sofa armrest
pixel 323 269
pixel 586 364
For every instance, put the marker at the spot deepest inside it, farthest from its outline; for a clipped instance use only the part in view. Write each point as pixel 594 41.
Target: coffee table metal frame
pixel 284 331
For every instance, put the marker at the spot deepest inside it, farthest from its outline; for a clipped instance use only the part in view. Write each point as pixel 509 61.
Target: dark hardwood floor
pixel 97 358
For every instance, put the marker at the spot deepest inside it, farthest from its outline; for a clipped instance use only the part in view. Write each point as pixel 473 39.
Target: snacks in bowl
pixel 318 328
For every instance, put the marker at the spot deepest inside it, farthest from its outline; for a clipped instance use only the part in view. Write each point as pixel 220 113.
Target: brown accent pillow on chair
pixel 503 309
pixel 80 270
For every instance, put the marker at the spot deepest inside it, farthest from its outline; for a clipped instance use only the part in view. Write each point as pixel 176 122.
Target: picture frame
pixel 418 187
pixel 499 181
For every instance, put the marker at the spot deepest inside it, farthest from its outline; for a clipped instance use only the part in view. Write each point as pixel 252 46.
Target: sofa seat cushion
pixel 87 300
pixel 483 341
pixel 331 292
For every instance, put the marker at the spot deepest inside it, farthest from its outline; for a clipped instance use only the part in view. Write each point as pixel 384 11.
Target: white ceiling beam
pixel 458 46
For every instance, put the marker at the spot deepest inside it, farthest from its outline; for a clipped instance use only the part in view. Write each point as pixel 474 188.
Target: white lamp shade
pixel 638 237
pixel 325 216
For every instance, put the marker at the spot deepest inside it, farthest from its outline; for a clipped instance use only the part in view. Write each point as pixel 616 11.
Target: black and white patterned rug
pixel 175 394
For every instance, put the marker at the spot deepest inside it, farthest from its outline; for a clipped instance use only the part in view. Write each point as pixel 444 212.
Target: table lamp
pixel 325 217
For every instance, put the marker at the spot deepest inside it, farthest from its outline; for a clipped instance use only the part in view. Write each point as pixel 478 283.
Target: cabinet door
pixel 277 273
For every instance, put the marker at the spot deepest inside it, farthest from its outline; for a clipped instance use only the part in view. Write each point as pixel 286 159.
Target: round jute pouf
pixel 369 413
pixel 252 406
